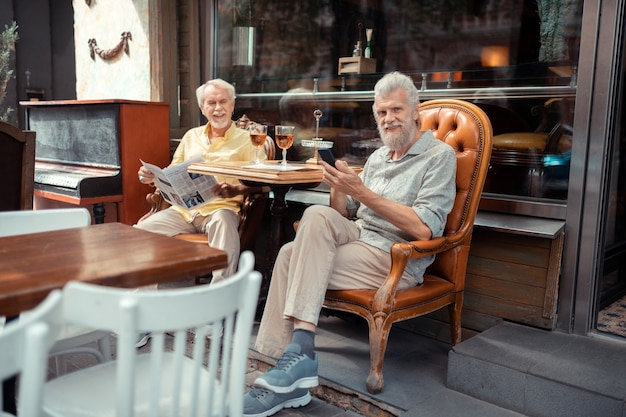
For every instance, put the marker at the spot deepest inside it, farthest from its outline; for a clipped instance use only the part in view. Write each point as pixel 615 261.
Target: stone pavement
pixel 415 371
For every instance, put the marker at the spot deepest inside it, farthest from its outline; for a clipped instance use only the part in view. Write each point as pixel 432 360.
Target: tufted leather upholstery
pixel 467 129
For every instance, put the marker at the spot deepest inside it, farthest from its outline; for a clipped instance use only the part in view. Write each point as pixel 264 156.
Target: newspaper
pixel 181 188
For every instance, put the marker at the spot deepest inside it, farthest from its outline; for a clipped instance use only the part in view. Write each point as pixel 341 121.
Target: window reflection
pixel 507 56
pixel 533 159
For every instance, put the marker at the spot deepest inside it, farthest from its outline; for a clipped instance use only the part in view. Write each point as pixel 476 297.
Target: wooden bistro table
pixel 112 254
pixel 280 182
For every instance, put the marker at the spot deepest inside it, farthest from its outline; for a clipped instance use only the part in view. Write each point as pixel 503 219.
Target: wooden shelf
pixel 356 65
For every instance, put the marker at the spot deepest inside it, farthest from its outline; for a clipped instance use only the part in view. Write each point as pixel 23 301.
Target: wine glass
pixel 284 140
pixel 258 133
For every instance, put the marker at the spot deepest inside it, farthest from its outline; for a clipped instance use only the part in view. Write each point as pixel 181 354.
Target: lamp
pixel 243 39
pixel 494 56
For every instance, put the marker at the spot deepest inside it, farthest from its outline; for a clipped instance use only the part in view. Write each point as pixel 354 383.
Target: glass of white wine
pixel 258 134
pixel 284 140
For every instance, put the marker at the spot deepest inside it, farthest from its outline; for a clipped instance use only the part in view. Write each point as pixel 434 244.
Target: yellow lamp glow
pixel 494 56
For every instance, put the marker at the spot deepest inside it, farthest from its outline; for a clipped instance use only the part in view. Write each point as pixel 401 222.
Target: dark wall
pixel 45 49
pixel 63 49
pixel 10 100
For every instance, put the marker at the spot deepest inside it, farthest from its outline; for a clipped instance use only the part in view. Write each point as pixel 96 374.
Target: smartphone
pixel 327 156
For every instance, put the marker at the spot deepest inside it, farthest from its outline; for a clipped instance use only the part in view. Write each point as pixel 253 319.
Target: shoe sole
pixel 292 403
pixel 308 382
pixel 143 341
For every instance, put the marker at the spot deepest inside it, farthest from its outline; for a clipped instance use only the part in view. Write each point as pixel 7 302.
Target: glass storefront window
pixel 613 283
pixel 517 59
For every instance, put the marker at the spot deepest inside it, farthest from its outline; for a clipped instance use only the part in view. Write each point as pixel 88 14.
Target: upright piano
pixel 88 153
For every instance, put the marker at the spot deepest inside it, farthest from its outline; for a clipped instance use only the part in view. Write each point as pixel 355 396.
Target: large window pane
pixel 516 59
pixel 613 283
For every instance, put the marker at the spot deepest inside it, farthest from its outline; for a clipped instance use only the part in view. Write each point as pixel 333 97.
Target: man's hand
pixel 342 178
pixel 344 181
pixel 224 190
pixel 145 176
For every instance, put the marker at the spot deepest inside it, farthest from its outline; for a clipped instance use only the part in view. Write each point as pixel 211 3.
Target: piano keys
pixel 78 181
pixel 88 152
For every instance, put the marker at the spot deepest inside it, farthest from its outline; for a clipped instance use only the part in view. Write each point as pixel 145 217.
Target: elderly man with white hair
pixel 217 141
pixel 405 192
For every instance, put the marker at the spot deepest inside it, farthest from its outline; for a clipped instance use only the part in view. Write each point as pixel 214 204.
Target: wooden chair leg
pixel 379 334
pixel 454 311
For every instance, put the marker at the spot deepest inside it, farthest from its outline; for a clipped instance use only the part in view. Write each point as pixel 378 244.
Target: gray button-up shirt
pixel 424 178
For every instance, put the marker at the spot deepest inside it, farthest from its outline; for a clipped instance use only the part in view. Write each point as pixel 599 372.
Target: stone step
pixel 541 373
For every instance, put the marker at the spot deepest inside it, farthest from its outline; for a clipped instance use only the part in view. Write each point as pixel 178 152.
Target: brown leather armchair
pixel 17 167
pixel 467 129
pixel 250 218
pixel 250 214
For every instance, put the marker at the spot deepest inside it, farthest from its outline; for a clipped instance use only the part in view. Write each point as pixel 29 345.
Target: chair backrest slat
pixel 19 222
pixel 24 347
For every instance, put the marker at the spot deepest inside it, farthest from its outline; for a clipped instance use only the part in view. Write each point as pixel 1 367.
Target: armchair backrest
pixel 466 128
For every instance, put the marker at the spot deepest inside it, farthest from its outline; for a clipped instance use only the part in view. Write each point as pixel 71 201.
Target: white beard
pixel 397 141
pixel 220 123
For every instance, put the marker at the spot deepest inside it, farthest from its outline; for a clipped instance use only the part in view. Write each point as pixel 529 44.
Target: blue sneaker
pixel 293 370
pixel 262 403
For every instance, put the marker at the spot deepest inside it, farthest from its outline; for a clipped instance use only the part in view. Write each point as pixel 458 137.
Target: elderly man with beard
pixel 219 140
pixel 405 192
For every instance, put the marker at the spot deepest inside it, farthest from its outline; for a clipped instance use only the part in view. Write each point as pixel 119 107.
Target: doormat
pixel 612 319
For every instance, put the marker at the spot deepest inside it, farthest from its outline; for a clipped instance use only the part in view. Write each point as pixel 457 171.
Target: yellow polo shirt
pixel 234 146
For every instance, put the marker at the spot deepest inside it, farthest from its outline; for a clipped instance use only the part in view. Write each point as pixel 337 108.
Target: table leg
pixel 278 209
pixel 98 213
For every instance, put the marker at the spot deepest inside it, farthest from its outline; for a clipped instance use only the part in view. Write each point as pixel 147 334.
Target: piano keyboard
pixel 65 179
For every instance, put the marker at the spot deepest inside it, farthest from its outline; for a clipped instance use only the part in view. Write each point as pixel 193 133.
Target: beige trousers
pixel 221 228
pixel 325 254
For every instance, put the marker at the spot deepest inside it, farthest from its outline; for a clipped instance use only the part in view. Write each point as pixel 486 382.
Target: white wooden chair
pixel 164 381
pixel 20 222
pixel 24 346
pixel 72 339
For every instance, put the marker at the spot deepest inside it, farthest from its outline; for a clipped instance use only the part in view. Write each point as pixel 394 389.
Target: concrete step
pixel 450 403
pixel 541 373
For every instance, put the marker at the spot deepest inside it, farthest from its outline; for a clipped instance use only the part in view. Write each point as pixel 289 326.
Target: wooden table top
pixel 308 174
pixel 111 254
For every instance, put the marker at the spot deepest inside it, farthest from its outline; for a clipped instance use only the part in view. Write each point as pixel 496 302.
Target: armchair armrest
pixel 400 254
pixel 156 202
pixel 251 216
